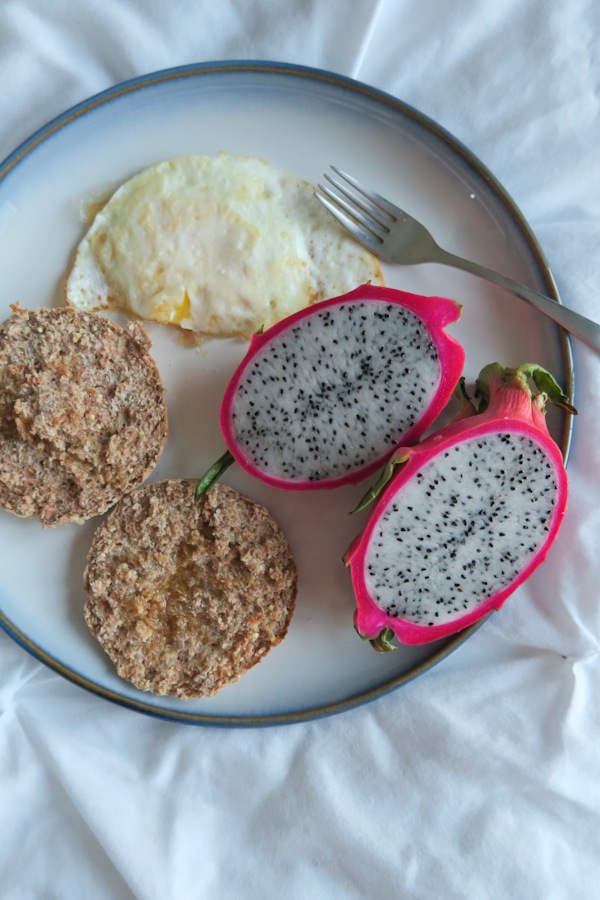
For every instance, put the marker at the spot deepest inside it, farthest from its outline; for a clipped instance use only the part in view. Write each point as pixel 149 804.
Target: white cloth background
pixel 480 779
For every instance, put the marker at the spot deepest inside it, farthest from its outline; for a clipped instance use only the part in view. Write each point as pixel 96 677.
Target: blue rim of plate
pixel 383 99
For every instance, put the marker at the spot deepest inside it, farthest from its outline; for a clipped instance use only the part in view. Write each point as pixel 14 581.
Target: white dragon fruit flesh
pixel 466 517
pixel 323 397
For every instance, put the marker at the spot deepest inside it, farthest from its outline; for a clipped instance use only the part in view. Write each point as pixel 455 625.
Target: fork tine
pixel 372 196
pixel 345 201
pixel 373 218
pixel 364 237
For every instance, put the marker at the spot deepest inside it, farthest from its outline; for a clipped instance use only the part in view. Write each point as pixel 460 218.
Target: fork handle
pixel 584 329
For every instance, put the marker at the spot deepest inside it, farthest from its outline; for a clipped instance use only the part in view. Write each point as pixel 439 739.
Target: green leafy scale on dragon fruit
pixel 323 397
pixel 470 514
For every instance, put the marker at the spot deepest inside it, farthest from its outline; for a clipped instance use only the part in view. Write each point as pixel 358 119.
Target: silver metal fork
pixel 394 236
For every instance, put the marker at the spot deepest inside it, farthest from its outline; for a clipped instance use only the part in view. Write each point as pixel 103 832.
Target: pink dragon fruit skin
pixel 313 448
pixel 503 457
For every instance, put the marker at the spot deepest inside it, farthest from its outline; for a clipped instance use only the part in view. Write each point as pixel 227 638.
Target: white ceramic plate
pixel 301 120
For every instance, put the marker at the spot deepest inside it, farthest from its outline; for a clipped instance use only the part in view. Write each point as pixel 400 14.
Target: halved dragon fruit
pixel 470 514
pixel 323 397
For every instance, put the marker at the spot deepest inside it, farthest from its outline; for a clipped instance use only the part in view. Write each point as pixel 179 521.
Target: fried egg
pixel 219 245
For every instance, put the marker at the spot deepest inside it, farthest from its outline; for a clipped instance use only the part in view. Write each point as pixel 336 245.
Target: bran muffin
pixel 83 419
pixel 186 595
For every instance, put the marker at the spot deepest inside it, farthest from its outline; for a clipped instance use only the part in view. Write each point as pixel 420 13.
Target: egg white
pixel 218 245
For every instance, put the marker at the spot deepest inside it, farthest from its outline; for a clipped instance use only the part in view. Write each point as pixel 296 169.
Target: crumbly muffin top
pixel 184 595
pixel 82 413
